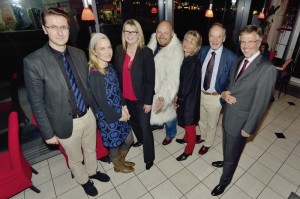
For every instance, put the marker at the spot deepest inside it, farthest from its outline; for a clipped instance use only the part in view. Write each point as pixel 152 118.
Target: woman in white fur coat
pixel 168 59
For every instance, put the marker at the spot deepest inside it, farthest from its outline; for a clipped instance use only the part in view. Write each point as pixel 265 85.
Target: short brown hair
pixel 54 11
pixel 252 28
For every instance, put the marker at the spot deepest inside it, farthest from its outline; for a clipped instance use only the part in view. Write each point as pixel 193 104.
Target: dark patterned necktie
pixel 209 71
pixel 243 68
pixel 78 97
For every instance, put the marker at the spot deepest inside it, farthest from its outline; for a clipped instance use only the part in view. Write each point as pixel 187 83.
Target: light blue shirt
pixel 215 70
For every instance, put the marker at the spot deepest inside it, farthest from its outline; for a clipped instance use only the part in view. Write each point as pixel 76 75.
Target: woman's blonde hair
pixel 93 61
pixel 135 23
pixel 197 38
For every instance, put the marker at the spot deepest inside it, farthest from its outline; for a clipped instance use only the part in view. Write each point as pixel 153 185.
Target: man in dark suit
pixel 56 83
pixel 247 98
pixel 214 81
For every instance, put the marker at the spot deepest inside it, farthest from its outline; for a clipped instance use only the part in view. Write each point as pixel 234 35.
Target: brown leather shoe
pixel 203 150
pixel 167 141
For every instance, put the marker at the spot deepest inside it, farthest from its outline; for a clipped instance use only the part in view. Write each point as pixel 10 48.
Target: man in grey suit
pixel 56 84
pixel 249 93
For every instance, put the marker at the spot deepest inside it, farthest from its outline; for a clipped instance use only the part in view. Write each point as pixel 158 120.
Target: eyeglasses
pixel 56 28
pixel 248 43
pixel 132 33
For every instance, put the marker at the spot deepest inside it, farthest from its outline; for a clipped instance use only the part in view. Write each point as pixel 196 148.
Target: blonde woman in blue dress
pixel 112 112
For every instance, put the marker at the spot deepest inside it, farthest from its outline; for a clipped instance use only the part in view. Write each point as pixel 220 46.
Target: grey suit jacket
pixel 47 90
pixel 253 91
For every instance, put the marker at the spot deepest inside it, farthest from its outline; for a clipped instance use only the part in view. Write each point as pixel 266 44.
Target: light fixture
pixel 153 10
pixel 262 14
pixel 209 13
pixel 87 14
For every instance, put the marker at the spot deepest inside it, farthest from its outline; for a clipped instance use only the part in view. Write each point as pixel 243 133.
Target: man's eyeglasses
pixel 56 28
pixel 248 43
pixel 132 33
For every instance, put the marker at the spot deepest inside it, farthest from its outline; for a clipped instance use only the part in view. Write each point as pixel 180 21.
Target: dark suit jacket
pixel 142 73
pixel 227 61
pixel 253 91
pixel 47 91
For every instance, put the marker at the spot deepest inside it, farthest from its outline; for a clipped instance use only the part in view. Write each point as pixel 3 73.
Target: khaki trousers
pixel 210 108
pixel 82 140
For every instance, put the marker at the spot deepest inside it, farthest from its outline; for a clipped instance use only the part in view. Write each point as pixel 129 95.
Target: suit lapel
pixel 253 65
pixel 55 69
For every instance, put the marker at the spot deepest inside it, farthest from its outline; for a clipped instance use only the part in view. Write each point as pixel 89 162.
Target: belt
pixel 81 114
pixel 207 93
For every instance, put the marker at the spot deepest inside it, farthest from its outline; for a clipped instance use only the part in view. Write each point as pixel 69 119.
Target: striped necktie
pixel 78 97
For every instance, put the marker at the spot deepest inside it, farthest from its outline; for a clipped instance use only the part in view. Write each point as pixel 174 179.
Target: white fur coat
pixel 167 68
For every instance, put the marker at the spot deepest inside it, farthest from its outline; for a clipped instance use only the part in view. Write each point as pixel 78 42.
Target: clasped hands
pixel 125 114
pixel 158 104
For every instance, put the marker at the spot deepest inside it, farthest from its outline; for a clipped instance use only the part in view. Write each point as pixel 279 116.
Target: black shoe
pixel 156 127
pixel 89 188
pixel 102 177
pixel 182 157
pixel 137 144
pixel 180 141
pixel 218 190
pixel 105 159
pixel 149 165
pixel 198 140
pixel 218 164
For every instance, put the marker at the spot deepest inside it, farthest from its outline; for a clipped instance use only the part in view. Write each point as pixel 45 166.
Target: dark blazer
pixel 47 91
pixel 188 97
pixel 142 73
pixel 253 91
pixel 227 61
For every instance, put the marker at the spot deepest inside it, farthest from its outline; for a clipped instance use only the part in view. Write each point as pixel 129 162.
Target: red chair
pixel 101 150
pixel 15 171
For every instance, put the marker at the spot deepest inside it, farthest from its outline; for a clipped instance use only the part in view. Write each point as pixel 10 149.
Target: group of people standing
pixel 164 83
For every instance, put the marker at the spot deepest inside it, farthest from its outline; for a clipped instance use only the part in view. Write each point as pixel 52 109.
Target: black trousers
pixel 232 150
pixel 140 123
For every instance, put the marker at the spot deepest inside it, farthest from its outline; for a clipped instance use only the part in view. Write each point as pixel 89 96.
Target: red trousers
pixel 190 138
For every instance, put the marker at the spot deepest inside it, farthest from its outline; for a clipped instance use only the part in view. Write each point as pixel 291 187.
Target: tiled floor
pixel 269 167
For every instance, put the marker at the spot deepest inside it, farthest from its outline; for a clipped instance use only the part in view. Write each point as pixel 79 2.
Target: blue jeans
pixel 171 128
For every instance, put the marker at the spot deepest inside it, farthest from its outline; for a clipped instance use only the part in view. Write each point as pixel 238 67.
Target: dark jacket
pixel 48 93
pixel 227 61
pixel 142 73
pixel 189 92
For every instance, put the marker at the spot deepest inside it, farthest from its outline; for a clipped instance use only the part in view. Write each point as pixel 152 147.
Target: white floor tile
pixel 212 155
pixel 261 172
pixel 246 161
pixel 289 173
pixel 278 152
pixel 282 186
pixel 268 193
pixel 250 185
pixel 112 194
pixel 166 191
pixel 118 178
pixel 199 191
pixel 253 150
pixel 47 191
pixel 261 142
pixel 40 164
pixel 293 161
pixel 152 178
pixel 160 153
pixel 64 183
pixel 75 193
pixel 212 180
pixel 42 177
pixel 169 166
pixel 270 161
pixel 19 196
pixel 184 180
pixel 146 196
pixel 58 168
pixel 236 193
pixel 200 168
pixel 131 189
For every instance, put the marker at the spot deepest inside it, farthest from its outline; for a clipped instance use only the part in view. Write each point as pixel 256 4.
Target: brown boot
pixel 123 154
pixel 119 167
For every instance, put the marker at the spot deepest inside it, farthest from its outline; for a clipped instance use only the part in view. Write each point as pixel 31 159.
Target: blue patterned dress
pixel 106 91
